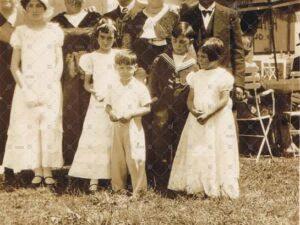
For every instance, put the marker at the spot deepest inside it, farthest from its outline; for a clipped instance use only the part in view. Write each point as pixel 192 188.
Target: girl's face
pixel 7 4
pixel 180 45
pixel 106 40
pixel 155 3
pixel 35 10
pixel 73 6
pixel 203 60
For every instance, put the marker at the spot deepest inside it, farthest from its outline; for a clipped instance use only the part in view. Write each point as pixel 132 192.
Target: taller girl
pixel 35 129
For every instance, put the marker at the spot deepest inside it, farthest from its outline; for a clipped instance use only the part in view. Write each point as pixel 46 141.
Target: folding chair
pixel 252 83
pixel 268 71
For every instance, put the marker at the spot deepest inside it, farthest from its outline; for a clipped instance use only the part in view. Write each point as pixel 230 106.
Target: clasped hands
pixel 201 116
pixel 125 118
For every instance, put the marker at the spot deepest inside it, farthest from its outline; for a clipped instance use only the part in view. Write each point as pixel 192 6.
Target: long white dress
pixel 35 133
pixel 92 158
pixel 207 157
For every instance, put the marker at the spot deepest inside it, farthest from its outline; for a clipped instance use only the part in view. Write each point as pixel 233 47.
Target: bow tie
pixel 206 12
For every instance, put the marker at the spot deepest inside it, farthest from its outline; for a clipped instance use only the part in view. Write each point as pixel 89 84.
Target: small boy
pixel 128 100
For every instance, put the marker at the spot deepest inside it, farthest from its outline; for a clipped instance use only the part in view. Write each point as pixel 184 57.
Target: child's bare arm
pixel 109 111
pixel 190 104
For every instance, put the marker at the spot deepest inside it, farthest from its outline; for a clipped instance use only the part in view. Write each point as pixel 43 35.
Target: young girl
pixel 169 113
pixel 92 159
pixel 207 155
pixel 35 129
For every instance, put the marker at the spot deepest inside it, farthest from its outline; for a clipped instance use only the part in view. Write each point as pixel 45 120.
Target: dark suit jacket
pixel 226 26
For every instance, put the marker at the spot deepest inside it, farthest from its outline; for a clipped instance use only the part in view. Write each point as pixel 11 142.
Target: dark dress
pixel 168 115
pixel 75 97
pixel 145 51
pixel 7 84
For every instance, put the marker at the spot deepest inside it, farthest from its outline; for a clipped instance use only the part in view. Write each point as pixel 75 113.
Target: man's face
pixel 124 3
pixel 206 3
pixel 7 4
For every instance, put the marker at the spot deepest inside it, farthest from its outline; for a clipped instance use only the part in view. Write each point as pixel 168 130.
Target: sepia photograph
pixel 149 112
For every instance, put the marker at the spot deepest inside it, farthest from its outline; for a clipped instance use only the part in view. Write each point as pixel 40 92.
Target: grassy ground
pixel 270 195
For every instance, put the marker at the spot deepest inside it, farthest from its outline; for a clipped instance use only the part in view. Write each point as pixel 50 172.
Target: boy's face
pixel 203 60
pixel 73 6
pixel 106 40
pixel 125 71
pixel 35 10
pixel 180 45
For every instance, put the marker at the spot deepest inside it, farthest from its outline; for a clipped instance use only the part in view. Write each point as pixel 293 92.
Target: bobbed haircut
pixel 213 48
pixel 125 57
pixel 184 29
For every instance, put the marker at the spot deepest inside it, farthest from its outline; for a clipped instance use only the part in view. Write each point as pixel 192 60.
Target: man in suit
pixel 210 19
pixel 126 10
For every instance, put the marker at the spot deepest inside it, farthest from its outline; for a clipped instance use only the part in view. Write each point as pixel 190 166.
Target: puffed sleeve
pixel 16 38
pixel 86 64
pixel 225 81
pixel 190 79
pixel 144 95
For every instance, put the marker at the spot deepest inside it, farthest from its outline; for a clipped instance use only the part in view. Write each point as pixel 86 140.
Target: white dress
pixel 92 158
pixel 35 133
pixel 207 156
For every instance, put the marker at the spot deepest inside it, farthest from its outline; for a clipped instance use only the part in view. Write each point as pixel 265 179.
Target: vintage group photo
pixel 149 112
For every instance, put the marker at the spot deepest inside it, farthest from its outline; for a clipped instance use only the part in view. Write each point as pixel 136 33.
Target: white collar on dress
pixel 12 18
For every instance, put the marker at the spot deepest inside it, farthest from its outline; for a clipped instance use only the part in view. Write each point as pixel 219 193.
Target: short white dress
pixel 207 158
pixel 35 133
pixel 92 158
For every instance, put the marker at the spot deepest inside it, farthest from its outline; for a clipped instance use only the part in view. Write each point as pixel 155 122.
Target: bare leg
pixel 48 176
pixel 93 185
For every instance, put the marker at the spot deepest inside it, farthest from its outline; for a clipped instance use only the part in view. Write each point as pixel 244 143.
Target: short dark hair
pixel 126 57
pixel 24 4
pixel 185 29
pixel 213 48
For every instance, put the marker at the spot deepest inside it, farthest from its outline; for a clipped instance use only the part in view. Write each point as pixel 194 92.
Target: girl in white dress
pixel 207 156
pixel 35 129
pixel 92 158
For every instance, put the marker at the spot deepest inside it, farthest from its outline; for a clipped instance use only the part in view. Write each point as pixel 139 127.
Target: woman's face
pixel 106 40
pixel 73 6
pixel 35 10
pixel 155 3
pixel 180 44
pixel 7 4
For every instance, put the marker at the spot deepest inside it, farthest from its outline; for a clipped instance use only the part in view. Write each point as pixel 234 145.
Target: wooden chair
pixel 252 83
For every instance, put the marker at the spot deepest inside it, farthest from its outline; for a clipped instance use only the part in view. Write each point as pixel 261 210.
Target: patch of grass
pixel 269 195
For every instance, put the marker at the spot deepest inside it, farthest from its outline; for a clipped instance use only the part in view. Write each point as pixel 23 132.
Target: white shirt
pixel 75 19
pixel 207 18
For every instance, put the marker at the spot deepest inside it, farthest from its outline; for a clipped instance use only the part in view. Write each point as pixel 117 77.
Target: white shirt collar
pixel 129 7
pixel 210 8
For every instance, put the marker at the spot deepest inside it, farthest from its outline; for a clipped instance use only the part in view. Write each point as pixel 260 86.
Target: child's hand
pixel 125 118
pixel 196 112
pixel 202 119
pixel 113 117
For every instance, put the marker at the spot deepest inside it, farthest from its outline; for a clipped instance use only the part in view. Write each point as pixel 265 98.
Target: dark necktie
pixel 206 12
